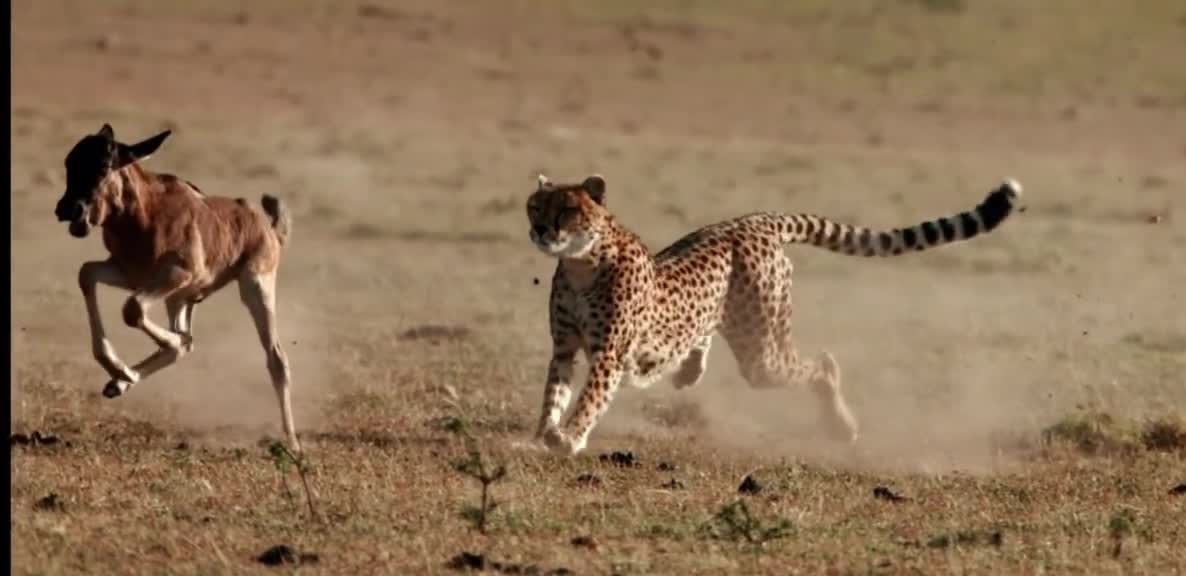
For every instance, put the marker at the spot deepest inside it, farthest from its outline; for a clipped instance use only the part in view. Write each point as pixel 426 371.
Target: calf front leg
pixel 180 317
pixel 172 345
pixel 90 275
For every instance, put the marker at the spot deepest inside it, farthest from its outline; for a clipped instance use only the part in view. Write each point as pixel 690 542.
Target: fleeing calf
pixel 170 242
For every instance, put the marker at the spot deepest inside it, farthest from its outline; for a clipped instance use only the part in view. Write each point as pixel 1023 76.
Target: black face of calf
pixel 89 167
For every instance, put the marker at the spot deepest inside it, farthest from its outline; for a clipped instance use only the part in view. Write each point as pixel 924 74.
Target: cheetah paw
pixel 562 443
pixel 840 425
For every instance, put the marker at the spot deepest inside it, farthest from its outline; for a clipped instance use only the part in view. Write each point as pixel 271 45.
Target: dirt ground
pixel 406 136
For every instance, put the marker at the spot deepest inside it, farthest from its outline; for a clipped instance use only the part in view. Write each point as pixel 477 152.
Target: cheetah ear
pixel 543 181
pixel 595 187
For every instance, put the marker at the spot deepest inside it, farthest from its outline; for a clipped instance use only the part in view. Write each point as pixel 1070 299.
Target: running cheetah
pixel 638 317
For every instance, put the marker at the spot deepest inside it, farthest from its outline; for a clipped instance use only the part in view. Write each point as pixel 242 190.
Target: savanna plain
pixel 1021 395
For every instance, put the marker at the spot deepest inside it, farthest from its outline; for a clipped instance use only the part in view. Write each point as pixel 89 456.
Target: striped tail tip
pixel 1012 187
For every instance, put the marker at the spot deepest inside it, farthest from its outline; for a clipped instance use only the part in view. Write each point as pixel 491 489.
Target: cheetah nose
pixel 539 230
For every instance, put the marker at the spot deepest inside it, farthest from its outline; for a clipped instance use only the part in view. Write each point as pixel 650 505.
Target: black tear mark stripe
pixel 996 207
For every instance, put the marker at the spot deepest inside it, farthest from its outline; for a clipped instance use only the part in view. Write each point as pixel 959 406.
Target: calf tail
pixel 281 220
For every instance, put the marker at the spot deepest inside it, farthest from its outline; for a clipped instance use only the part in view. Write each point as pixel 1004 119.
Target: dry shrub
pixel 1166 434
pixel 1098 433
pixel 1092 432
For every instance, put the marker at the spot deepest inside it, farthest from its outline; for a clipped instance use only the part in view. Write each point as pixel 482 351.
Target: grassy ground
pixel 1008 388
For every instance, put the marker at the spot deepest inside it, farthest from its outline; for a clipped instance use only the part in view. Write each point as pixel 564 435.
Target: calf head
pixel 93 186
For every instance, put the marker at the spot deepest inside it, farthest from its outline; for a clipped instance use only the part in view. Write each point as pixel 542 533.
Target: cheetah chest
pixel 660 347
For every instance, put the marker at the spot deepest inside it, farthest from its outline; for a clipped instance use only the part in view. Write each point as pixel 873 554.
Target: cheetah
pixel 638 317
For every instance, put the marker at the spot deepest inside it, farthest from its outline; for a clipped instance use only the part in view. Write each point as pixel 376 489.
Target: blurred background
pixel 406 135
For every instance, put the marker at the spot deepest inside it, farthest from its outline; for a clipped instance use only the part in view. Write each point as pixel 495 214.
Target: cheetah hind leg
pixel 836 418
pixel 821 375
pixel 692 369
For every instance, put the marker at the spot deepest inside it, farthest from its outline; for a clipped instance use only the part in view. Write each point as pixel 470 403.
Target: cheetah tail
pixel 825 233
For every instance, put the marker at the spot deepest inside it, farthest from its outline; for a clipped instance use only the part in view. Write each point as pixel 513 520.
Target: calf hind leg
pixel 258 292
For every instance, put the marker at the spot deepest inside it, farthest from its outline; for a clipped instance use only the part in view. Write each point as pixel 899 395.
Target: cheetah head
pixel 567 220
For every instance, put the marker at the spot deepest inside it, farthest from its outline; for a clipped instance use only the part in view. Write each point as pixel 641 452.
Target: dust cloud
pixel 936 384
pixel 222 390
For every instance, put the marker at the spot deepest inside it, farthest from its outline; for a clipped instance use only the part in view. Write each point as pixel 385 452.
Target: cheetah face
pixel 567 219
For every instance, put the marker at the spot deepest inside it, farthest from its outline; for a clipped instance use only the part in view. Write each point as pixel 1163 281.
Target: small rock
pixel 665 467
pixel 673 484
pixel 467 561
pixel 749 485
pixel 1154 219
pixel 589 479
pixel 44 440
pixel 106 42
pixel 883 493
pixel 621 459
pixel 34 439
pixel 183 445
pixel 535 281
pixel 586 542
pixel 284 554
pixel 996 538
pixel 1179 490
pixel 49 502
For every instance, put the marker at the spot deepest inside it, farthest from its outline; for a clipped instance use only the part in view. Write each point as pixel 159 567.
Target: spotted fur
pixel 638 317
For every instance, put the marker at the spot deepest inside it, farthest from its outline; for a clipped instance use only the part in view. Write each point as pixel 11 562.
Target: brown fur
pixel 151 218
pixel 638 317
pixel 170 242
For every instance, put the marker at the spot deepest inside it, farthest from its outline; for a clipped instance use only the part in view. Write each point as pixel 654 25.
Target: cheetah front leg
pixel 566 342
pixel 605 373
pixel 557 391
pixel 692 369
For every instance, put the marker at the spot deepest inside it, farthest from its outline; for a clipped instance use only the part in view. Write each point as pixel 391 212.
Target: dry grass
pixel 405 136
pixel 150 500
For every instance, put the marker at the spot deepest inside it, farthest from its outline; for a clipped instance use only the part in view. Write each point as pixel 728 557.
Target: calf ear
pixel 543 181
pixel 595 187
pixel 106 132
pixel 141 150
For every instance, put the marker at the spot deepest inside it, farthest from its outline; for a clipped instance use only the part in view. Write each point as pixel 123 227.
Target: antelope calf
pixel 170 242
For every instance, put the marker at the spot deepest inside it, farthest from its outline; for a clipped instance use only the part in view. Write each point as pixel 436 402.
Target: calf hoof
pixel 115 388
